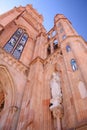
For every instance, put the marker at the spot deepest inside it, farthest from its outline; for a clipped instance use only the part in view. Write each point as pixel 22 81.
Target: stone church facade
pixel 43 76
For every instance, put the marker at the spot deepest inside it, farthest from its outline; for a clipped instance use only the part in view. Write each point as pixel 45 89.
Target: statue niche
pixel 56 100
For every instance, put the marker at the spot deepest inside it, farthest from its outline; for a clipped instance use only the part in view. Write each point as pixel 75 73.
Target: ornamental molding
pixel 13 62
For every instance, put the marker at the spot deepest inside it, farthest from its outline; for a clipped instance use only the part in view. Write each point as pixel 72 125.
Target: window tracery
pixel 16 43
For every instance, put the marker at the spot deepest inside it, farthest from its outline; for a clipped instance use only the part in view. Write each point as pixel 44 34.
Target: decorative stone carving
pixel 55 102
pixel 13 62
pixel 29 120
pixel 14 109
pixel 58 111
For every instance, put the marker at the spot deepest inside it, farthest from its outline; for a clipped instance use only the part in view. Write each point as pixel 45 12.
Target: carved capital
pixel 14 109
pixel 57 111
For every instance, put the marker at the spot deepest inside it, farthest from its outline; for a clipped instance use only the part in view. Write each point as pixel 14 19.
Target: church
pixel 43 75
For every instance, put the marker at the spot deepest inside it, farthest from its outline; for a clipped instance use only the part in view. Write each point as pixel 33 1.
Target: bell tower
pixel 73 49
pixel 64 27
pixel 43 84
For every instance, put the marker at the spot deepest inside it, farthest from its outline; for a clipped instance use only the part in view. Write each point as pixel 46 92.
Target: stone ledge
pixel 13 62
pixel 1 28
pixel 82 128
pixel 52 56
pixel 37 59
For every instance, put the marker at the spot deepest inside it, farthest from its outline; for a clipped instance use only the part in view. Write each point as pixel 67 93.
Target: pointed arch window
pixel 61 30
pixel 53 33
pixel 49 50
pixel 16 43
pixel 68 48
pixel 74 65
pixel 59 24
pixel 63 37
pixel 49 37
pixel 2 98
pixel 55 44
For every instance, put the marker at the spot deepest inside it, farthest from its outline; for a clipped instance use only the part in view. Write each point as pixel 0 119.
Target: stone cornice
pixel 41 33
pixel 13 62
pixel 50 57
pixel 35 11
pixel 36 60
pixel 75 38
pixel 19 9
pixel 63 19
pixel 30 23
pixel 1 28
pixel 81 126
pixel 46 60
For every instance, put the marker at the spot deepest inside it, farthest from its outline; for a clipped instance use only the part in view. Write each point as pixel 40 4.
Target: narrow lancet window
pixel 55 44
pixel 68 48
pixel 74 65
pixel 59 24
pixel 61 30
pixel 2 98
pixel 48 37
pixel 63 37
pixel 53 33
pixel 49 50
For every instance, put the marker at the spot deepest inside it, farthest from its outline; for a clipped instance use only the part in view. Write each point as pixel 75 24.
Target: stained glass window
pixel 16 43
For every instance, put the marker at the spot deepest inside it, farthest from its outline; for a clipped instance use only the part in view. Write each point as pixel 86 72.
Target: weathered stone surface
pixel 25 92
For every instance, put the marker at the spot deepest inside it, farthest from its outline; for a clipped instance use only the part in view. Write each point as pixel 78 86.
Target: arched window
pixel 2 101
pixel 74 65
pixel 61 30
pixel 55 44
pixel 49 50
pixel 2 98
pixel 16 43
pixel 63 37
pixel 68 48
pixel 49 37
pixel 53 33
pixel 59 24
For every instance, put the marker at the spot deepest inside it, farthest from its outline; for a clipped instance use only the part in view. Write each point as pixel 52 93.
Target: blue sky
pixel 74 10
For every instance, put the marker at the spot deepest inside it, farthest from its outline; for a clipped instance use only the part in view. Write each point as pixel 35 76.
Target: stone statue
pixel 56 101
pixel 55 91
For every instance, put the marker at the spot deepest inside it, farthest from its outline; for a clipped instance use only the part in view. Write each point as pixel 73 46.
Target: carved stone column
pixel 10 122
pixel 58 114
